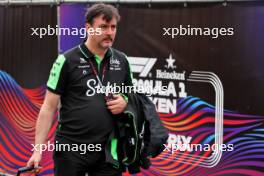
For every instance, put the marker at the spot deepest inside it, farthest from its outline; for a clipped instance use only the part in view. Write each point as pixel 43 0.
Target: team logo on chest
pixel 114 64
pixel 82 61
pixel 83 64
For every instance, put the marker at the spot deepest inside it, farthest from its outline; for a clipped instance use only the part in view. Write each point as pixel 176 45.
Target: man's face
pixel 108 32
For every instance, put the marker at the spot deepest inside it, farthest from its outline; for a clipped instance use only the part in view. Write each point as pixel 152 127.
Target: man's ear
pixel 88 26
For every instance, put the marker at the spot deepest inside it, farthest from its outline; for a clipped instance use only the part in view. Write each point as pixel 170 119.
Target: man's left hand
pixel 117 105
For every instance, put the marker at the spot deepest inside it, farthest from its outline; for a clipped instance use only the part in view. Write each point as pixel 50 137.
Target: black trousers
pixel 73 163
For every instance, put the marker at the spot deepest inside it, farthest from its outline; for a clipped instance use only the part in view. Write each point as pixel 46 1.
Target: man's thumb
pixel 36 164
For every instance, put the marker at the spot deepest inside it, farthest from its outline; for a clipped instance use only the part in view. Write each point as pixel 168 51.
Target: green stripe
pixel 124 96
pixel 55 72
pixel 98 61
pixel 59 127
pixel 114 148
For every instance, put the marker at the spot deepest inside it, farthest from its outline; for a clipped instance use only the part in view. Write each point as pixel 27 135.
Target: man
pixel 85 117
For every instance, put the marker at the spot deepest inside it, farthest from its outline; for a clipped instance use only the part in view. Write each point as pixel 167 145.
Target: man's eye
pixel 104 27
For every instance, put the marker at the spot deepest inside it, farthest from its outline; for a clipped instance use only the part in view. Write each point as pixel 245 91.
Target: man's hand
pixel 117 105
pixel 43 125
pixel 34 161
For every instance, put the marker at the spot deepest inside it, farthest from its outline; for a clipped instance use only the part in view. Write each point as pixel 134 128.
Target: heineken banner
pixel 202 67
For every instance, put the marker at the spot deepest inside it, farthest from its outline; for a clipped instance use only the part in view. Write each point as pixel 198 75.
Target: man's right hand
pixel 35 160
pixel 43 126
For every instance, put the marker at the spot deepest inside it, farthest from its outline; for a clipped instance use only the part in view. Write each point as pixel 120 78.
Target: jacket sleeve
pixel 158 133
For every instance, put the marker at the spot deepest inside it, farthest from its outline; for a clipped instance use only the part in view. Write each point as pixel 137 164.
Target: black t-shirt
pixel 83 116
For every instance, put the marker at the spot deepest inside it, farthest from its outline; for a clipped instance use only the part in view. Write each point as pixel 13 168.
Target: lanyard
pixel 96 74
pixel 93 67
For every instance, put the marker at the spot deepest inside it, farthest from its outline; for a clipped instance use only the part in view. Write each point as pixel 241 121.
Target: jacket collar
pixel 88 54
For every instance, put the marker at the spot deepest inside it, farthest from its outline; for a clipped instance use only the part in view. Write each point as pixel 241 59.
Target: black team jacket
pixel 140 135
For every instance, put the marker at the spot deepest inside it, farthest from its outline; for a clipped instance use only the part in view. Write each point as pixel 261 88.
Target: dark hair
pixel 108 11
